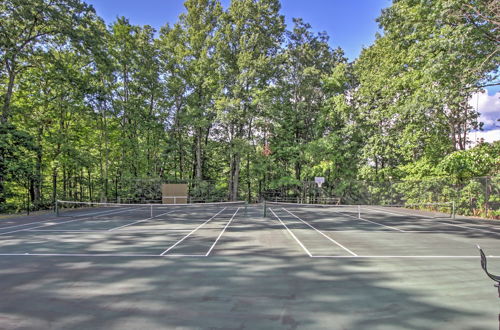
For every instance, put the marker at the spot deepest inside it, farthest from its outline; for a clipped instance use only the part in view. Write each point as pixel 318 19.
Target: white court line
pixel 323 234
pixel 55 224
pixel 106 231
pixel 192 231
pixel 432 220
pixel 290 232
pixel 183 255
pixel 74 255
pixel 118 255
pixel 222 232
pixel 142 220
pixel 405 257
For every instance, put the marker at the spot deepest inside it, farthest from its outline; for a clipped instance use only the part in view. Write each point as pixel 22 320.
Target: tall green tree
pixel 189 52
pixel 306 60
pixel 29 30
pixel 416 79
pixel 248 41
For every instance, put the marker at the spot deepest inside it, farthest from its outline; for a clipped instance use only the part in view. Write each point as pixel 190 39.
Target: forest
pixel 241 106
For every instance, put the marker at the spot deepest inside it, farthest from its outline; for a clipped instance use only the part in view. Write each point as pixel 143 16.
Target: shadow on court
pixel 257 277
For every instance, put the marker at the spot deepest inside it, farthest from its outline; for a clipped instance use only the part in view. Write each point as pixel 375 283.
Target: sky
pixel 350 24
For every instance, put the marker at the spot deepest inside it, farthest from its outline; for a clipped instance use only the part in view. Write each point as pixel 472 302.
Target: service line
pixel 320 232
pixel 192 232
pixel 293 235
pixel 222 232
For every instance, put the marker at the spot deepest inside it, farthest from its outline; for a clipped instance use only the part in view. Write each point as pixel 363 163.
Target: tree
pixel 248 41
pixel 29 30
pixel 416 79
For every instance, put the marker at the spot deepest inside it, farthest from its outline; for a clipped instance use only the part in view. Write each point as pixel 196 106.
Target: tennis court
pixel 237 266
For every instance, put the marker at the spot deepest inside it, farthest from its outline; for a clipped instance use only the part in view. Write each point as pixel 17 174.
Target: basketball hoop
pixel 319 181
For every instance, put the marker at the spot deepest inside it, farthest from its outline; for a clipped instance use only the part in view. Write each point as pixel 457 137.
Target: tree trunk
pixel 8 94
pixel 234 176
pixel 90 184
pixel 3 172
pixel 37 180
pixel 199 157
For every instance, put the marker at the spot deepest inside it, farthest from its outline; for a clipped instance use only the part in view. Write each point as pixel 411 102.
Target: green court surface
pixel 228 267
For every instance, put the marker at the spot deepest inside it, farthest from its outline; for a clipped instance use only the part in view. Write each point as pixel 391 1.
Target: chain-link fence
pixel 475 197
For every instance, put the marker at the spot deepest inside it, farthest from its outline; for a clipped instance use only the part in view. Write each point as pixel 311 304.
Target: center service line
pixel 295 237
pixel 192 231
pixel 222 232
pixel 326 236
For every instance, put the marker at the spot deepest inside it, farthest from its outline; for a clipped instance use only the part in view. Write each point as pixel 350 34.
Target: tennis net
pixel 421 210
pixel 88 209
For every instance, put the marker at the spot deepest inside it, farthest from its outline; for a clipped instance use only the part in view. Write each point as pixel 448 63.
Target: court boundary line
pixel 323 234
pixel 404 257
pixel 102 231
pixel 131 255
pixel 192 231
pixel 222 232
pixel 362 231
pixel 293 235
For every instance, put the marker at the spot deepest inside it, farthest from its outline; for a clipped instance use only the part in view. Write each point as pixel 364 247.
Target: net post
pixel 246 209
pixel 453 210
pixel 265 209
pixel 56 207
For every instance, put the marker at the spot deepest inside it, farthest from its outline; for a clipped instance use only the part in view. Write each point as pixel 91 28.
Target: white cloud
pixel 489 108
pixel 488 136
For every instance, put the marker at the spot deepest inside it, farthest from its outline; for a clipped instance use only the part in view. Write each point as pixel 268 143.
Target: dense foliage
pixel 233 102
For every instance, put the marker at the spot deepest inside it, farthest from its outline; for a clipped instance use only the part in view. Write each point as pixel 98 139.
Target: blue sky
pixel 349 23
